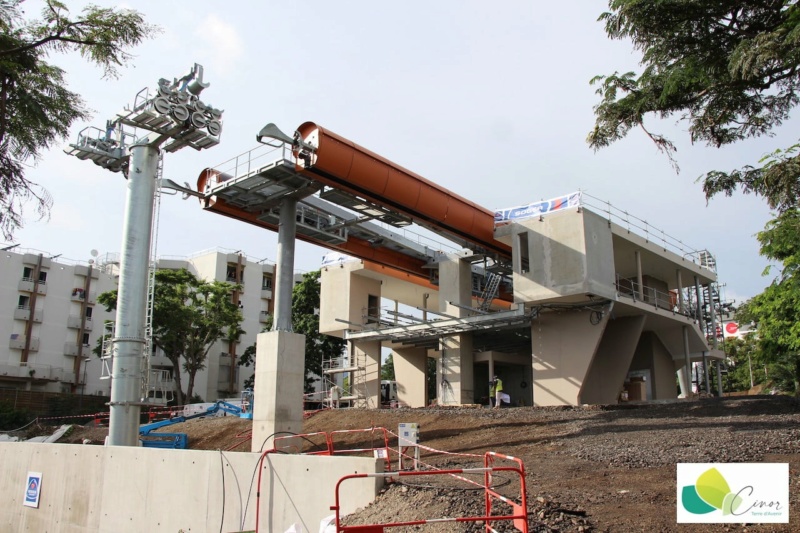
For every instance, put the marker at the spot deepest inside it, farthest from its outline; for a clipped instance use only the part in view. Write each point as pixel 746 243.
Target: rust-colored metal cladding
pixel 344 165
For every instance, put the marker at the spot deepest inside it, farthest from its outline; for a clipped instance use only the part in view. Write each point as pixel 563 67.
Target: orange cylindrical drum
pixel 342 164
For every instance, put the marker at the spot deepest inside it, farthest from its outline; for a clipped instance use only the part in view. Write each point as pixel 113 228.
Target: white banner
pixel 535 209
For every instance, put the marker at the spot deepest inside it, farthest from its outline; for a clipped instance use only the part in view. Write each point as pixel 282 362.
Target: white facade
pixel 223 377
pixel 50 322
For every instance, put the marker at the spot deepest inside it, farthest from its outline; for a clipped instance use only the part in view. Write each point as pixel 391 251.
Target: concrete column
pixel 285 265
pixel 700 320
pixel 639 278
pixel 279 377
pixel 455 287
pixel 688 364
pixel 410 366
pixel 367 382
pixel 679 284
pixel 705 372
pixel 129 335
pixel 609 367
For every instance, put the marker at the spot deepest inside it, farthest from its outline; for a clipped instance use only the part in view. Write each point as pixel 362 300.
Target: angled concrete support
pixel 611 363
pixel 563 346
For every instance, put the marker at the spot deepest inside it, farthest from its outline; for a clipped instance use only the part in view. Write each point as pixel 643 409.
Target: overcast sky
pixel 489 99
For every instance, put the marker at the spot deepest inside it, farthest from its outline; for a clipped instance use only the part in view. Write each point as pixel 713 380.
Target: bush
pixel 11 419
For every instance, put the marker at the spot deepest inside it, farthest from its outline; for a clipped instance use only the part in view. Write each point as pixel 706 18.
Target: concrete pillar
pixel 679 285
pixel 705 372
pixel 455 287
pixel 688 364
pixel 366 383
pixel 700 320
pixel 639 278
pixel 410 366
pixel 682 382
pixel 279 378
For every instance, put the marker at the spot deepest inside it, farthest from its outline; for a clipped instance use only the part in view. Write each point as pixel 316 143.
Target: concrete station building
pixel 568 301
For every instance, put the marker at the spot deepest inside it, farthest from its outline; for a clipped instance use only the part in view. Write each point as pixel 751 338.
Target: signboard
pixel 33 487
pixel 535 209
pixel 336 258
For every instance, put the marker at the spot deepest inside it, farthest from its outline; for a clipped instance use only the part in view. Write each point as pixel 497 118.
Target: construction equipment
pixel 152 439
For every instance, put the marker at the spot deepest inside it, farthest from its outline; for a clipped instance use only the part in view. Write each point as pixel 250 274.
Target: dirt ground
pixel 598 468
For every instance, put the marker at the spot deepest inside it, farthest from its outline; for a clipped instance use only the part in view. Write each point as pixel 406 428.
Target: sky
pixel 489 99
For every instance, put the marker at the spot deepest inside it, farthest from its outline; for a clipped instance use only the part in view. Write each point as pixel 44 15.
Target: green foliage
pixel 36 107
pixel 728 68
pixel 11 418
pixel 305 320
pixel 743 356
pixel 189 316
pixel 387 369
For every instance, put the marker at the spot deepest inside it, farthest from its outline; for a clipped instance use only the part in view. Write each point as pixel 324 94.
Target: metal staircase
pixel 490 291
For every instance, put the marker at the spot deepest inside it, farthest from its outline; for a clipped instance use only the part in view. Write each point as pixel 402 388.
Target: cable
pixel 23 427
pixel 238 487
pixel 222 472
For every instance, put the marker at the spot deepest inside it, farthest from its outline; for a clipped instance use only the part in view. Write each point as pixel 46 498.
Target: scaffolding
pixel 352 369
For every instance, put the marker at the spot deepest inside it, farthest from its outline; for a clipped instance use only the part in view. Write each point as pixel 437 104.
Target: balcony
pixel 264 317
pixel 17 342
pixel 23 312
pixel 266 293
pixel 34 371
pixel 26 285
pixel 79 295
pixel 71 348
pixel 74 322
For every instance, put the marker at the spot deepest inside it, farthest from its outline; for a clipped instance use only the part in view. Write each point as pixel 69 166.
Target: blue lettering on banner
pixel 508 215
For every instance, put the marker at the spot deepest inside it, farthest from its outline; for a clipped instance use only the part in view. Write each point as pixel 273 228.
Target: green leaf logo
pixel 711 492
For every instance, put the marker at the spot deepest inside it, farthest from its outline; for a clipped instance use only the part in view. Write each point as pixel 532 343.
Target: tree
pixel 776 311
pixel 189 317
pixel 305 320
pixel 730 68
pixel 387 368
pixel 36 108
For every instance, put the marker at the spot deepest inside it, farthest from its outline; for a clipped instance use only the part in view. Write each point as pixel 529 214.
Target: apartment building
pixel 222 376
pixel 52 321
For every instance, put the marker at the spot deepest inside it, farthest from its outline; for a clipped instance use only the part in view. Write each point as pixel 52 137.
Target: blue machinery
pixel 152 439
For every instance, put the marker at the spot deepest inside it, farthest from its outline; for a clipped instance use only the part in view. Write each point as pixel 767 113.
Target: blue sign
pixel 33 489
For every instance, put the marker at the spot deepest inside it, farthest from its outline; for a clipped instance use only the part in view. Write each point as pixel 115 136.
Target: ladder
pixel 151 379
pixel 490 290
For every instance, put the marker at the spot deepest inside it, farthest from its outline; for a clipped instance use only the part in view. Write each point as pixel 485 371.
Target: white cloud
pixel 221 43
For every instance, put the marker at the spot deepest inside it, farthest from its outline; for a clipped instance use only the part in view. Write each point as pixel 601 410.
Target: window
pixel 86 339
pixel 27 273
pixel 524 255
pixel 42 277
pixel 266 282
pixel 24 302
pixel 373 309
pixel 230 274
pixel 88 313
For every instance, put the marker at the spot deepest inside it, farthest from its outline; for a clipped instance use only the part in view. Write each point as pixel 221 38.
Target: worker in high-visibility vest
pixel 496 391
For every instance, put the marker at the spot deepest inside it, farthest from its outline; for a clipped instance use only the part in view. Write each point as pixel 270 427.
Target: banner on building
pixel 336 258
pixel 535 209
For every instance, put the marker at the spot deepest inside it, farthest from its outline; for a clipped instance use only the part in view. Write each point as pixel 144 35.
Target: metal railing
pixel 650 232
pixel 668 301
pixel 247 162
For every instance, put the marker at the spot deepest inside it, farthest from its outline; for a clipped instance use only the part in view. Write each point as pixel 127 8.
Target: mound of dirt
pixel 594 468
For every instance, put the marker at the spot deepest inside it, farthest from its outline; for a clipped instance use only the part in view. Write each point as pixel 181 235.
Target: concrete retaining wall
pixel 118 489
